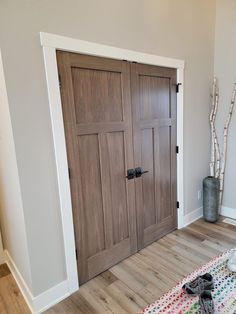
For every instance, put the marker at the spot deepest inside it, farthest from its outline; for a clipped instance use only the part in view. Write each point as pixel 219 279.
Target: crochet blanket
pixel 176 301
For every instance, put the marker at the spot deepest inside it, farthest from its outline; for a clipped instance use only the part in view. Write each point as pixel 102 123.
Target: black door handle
pixel 139 171
pixel 130 174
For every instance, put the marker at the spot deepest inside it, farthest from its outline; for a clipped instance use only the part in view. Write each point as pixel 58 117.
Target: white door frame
pixel 50 44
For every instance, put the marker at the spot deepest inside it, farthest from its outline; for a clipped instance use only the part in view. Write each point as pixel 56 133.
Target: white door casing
pixel 50 44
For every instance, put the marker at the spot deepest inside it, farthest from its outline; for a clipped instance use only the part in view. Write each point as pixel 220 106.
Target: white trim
pixel 228 212
pixel 230 221
pixel 51 297
pixel 43 301
pixel 62 166
pixel 192 216
pixel 50 43
pixel 180 143
pixel 2 88
pixel 89 48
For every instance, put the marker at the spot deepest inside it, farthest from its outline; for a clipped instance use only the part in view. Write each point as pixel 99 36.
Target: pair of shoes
pixel 202 287
pixel 200 284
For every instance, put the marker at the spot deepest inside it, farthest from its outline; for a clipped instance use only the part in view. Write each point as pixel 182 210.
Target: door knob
pixel 139 171
pixel 130 174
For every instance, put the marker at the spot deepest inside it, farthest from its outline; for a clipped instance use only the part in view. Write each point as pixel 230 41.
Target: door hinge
pixel 76 254
pixel 69 173
pixel 177 204
pixel 177 149
pixel 177 87
pixel 59 79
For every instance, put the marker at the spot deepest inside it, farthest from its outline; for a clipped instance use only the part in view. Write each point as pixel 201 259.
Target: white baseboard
pixel 228 212
pixel 43 301
pixel 191 217
pixel 2 257
pixel 51 297
pixel 198 213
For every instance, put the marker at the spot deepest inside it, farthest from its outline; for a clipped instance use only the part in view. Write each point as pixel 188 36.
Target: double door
pixel 120 127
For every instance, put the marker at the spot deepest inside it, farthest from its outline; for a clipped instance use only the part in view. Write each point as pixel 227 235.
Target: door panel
pixel 91 177
pixel 148 180
pixel 96 107
pixel 154 127
pixel 113 152
pixel 154 97
pixel 98 95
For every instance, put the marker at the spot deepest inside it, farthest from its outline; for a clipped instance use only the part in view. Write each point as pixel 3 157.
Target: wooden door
pixel 154 127
pixel 96 105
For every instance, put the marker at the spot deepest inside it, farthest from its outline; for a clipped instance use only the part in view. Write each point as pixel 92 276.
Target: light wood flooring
pixel 11 299
pixel 140 279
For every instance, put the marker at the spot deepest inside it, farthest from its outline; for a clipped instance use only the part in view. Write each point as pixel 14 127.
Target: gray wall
pixel 11 207
pixel 181 29
pixel 225 70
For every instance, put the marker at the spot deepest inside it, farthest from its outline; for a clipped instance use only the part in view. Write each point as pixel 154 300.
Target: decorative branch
pixel 226 129
pixel 216 142
pixel 212 162
pixel 215 149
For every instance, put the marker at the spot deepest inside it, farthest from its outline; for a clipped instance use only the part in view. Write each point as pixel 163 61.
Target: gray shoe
pixel 200 284
pixel 206 303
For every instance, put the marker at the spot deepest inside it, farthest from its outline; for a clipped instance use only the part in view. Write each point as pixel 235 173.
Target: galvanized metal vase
pixel 211 191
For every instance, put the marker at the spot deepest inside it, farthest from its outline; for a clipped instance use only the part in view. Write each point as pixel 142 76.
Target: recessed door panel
pixel 97 95
pixel 90 172
pixel 154 97
pixel 148 179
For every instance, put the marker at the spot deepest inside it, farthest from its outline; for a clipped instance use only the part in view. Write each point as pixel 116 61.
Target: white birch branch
pixel 216 142
pixel 224 154
pixel 212 162
pixel 215 148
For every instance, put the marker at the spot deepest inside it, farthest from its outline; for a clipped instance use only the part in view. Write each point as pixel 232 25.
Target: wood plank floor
pixel 142 278
pixel 11 299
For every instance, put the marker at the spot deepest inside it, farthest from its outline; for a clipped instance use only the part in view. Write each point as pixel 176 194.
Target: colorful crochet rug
pixel 176 301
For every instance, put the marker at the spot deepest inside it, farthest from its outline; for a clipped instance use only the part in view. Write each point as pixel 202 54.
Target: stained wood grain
pixel 4 270
pixel 140 279
pixel 11 299
pixel 154 131
pixel 96 106
pixel 118 116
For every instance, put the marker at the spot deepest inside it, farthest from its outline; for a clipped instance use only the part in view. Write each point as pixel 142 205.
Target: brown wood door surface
pixel 105 136
pixel 154 130
pixel 96 107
